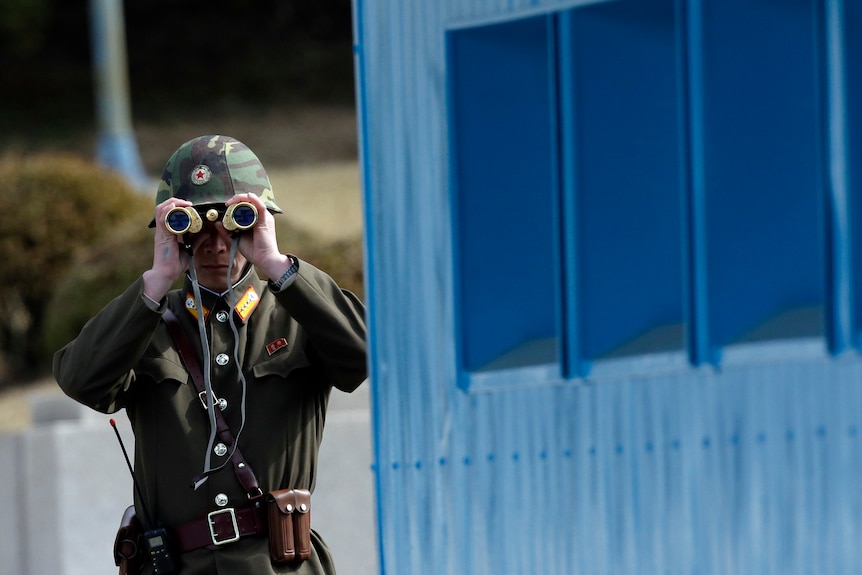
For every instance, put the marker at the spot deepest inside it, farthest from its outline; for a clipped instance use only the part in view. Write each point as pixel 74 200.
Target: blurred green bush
pixel 100 273
pixel 56 205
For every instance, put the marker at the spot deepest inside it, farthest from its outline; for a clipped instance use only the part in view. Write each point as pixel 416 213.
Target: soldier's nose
pixel 213 240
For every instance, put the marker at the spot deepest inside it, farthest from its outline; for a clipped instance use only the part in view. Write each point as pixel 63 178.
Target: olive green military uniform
pixel 293 348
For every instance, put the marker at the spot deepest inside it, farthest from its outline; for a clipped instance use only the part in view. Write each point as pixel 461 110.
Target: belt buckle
pixel 213 535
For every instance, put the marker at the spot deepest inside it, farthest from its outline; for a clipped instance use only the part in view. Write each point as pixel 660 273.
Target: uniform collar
pixel 246 294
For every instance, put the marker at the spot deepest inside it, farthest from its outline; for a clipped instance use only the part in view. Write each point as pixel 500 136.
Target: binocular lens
pixel 244 216
pixel 240 216
pixel 181 220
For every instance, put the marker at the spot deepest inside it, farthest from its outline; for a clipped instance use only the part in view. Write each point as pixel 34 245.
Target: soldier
pixel 225 380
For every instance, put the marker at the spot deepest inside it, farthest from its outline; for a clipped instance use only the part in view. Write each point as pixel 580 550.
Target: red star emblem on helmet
pixel 200 175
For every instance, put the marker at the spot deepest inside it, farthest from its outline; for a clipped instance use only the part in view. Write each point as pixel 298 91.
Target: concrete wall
pixel 64 485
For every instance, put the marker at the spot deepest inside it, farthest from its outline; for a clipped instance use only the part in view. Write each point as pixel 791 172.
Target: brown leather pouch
pixel 289 515
pixel 128 553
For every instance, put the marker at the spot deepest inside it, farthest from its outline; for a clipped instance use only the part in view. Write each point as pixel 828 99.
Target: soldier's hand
pixel 170 260
pixel 260 245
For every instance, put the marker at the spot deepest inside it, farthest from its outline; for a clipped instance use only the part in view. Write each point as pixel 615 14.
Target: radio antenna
pixel 146 511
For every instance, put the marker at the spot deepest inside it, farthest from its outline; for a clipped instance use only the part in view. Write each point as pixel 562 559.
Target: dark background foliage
pixel 183 55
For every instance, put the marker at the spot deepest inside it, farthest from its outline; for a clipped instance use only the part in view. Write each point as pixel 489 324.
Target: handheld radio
pixel 156 538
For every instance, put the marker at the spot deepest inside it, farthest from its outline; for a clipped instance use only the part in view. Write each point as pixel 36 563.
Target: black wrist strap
pixel 291 271
pixel 241 468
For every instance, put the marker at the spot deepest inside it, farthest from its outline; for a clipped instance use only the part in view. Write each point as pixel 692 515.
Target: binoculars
pixel 236 218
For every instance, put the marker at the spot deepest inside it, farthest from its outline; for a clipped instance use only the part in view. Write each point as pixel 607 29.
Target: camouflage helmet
pixel 212 169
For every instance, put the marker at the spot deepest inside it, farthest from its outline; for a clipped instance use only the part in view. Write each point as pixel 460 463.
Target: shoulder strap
pixel 241 468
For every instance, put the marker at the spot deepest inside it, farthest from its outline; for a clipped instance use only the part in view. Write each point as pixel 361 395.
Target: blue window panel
pixel 501 91
pixel 757 169
pixel 623 191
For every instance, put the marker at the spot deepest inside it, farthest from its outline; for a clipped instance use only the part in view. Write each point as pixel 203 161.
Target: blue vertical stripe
pixel 699 345
pixel 840 303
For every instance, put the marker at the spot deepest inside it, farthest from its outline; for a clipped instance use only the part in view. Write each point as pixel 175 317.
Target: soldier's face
pixel 211 249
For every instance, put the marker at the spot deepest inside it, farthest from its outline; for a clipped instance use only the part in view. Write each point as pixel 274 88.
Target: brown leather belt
pixel 221 527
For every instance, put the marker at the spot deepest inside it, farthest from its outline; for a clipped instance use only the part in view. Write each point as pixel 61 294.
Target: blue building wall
pixel 611 284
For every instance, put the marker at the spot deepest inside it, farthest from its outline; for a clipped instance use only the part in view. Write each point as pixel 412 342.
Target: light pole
pixel 117 148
